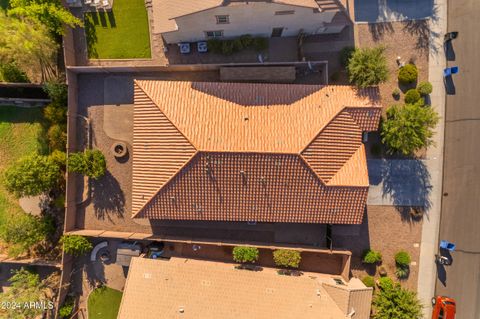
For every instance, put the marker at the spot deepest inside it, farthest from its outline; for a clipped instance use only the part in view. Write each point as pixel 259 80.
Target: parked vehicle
pixel 443 307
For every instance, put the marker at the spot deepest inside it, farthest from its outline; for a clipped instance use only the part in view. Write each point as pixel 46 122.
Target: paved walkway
pixel 428 248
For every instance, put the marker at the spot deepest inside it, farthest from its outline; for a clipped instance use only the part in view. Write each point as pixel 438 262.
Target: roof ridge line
pixel 311 169
pixel 158 107
pixel 165 184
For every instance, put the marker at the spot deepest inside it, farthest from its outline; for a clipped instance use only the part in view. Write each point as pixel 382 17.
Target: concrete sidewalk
pixel 437 62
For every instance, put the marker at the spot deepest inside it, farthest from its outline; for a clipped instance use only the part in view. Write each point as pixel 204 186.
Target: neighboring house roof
pixel 244 151
pixel 167 10
pixel 186 288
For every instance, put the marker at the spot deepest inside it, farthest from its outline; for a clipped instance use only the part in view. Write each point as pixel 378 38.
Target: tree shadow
pixel 91 36
pixel 108 197
pixel 407 182
pixel 422 31
pixel 103 19
pixel 111 19
pixel 449 51
pixel 380 29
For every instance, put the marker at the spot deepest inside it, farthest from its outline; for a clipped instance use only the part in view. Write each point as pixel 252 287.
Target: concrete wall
pixel 70 202
pixel 255 18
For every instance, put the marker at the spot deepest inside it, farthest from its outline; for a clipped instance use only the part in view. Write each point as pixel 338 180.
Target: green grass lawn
pixel 21 133
pixel 104 303
pixel 122 33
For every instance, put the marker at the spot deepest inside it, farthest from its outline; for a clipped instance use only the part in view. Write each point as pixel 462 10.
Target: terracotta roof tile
pixel 266 152
pixel 160 150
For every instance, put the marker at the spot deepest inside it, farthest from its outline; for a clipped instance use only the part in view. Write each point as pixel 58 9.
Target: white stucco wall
pixel 255 18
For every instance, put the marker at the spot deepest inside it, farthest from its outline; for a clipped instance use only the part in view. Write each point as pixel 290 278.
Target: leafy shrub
pixel 67 308
pixel 287 258
pixel 260 44
pixel 238 45
pixel 396 94
pixel 408 128
pixel 393 301
pixel 55 113
pixel 425 88
pixel 345 55
pixel 227 47
pixel 371 256
pixel 246 40
pixel 214 45
pixel 32 175
pixel 90 163
pixel 368 281
pixel 22 232
pixel 412 96
pixel 9 72
pixel 367 67
pixel 385 283
pixel 57 91
pixel 75 245
pixel 408 74
pixel 402 258
pixel 402 272
pixel 243 254
pixel 57 137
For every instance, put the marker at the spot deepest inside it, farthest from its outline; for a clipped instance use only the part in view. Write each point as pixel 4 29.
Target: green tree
pixel 23 232
pixel 394 302
pixel 32 175
pixel 367 67
pixel 25 287
pixel 57 137
pixel 287 258
pixel 10 72
pixel 402 258
pixel 408 128
pixel 75 245
pixel 50 13
pixel 412 96
pixel 55 113
pixel 90 163
pixel 28 44
pixel 57 90
pixel 243 254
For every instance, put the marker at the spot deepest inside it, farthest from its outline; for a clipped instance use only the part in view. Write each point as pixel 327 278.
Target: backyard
pixel 122 33
pixel 104 303
pixel 20 134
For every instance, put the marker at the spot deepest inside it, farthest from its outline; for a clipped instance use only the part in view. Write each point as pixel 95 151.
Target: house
pixel 189 288
pixel 195 20
pixel 251 152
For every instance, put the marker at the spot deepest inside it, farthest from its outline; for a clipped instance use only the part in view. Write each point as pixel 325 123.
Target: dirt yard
pixel 386 230
pixel 407 40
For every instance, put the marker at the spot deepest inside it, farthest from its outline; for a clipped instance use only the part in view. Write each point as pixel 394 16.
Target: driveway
pixel 392 10
pixel 398 182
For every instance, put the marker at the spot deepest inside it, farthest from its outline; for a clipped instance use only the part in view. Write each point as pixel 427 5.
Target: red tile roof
pixel 260 152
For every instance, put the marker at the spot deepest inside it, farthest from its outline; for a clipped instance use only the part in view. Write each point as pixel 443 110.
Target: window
pixel 282 13
pixel 223 19
pixel 214 34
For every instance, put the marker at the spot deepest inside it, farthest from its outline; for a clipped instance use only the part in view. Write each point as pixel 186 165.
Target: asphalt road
pixel 460 221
